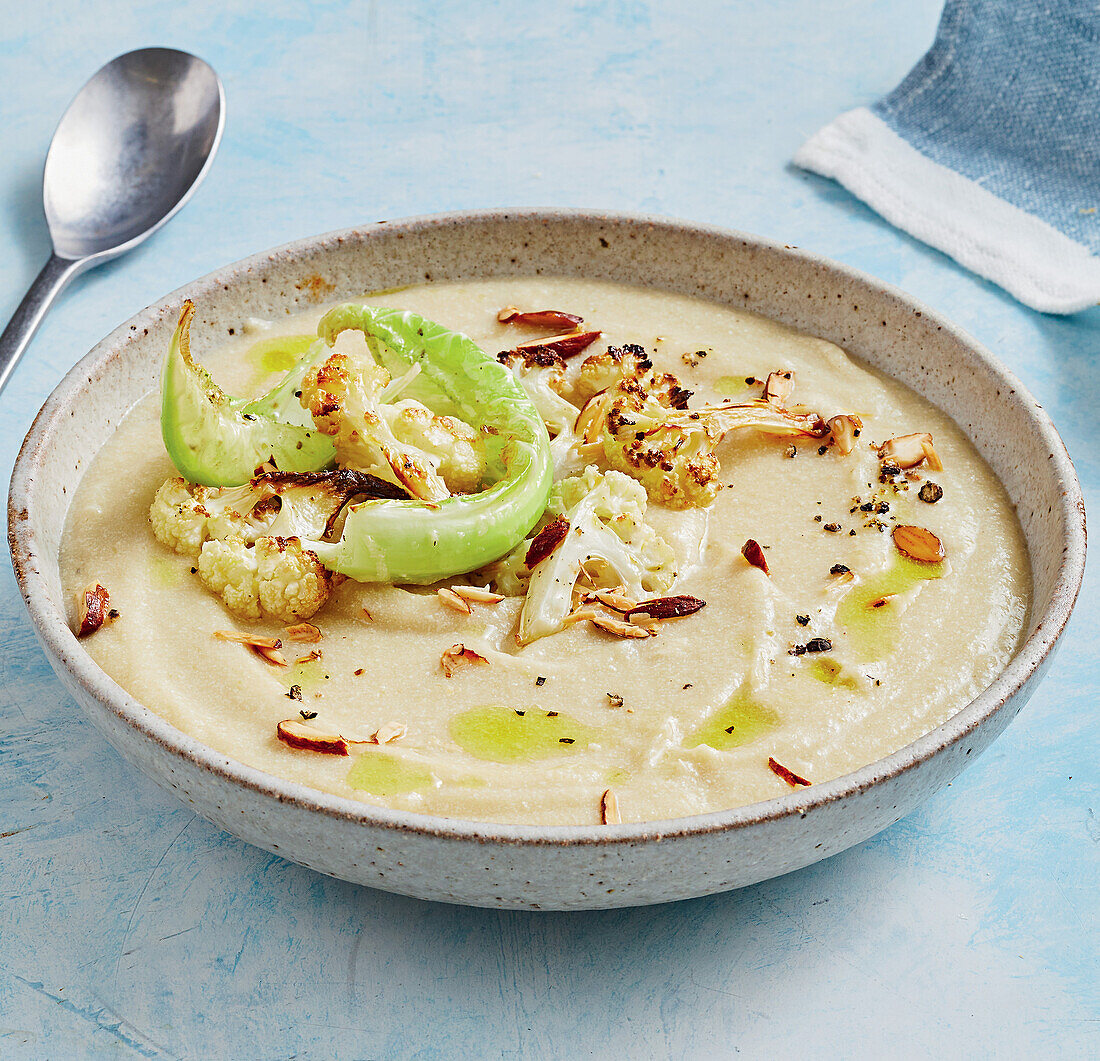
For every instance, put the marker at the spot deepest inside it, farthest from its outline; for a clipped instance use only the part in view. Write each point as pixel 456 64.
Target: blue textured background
pixel 133 928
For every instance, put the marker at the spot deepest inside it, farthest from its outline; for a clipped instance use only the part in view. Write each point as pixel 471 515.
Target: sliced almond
pixel 270 655
pixel 667 607
pixel 752 552
pixel 251 640
pixel 305 633
pixel 93 609
pixel 907 451
pixel 309 657
pixel 477 595
pixel 546 541
pixel 931 457
pixel 778 389
pixel 615 599
pixel 792 779
pixel 459 655
pixel 583 614
pixel 564 345
pixel 388 733
pixel 918 543
pixel 609 809
pixel 592 417
pixel 297 734
pixel 619 628
pixel 845 430
pixel 540 318
pixel 453 600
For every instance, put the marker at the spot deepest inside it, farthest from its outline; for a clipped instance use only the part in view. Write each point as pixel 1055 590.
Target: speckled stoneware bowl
pixel 571 867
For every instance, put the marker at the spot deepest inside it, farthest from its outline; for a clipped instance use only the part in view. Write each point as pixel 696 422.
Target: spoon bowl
pixel 127 154
pixel 129 151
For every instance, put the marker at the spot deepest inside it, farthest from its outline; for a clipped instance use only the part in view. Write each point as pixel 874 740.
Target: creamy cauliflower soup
pixel 736 562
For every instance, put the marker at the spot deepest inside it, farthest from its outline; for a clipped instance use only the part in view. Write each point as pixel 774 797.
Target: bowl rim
pixel 53 630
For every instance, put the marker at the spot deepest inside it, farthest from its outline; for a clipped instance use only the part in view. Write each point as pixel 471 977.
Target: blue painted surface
pixel 133 928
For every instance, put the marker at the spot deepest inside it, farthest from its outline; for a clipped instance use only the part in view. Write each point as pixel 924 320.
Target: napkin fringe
pixel 1030 259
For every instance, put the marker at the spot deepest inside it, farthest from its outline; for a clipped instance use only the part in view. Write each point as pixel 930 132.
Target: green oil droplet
pixel 832 673
pixel 309 676
pixel 280 353
pixel 741 721
pixel 500 735
pixel 873 632
pixel 382 774
pixel 168 572
pixel 728 386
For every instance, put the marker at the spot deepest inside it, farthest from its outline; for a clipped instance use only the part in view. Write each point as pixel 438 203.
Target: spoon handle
pixel 49 283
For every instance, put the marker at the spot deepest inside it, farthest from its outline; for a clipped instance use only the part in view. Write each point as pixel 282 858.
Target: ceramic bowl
pixel 571 867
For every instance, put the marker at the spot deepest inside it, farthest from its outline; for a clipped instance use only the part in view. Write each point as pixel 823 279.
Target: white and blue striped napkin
pixel 990 149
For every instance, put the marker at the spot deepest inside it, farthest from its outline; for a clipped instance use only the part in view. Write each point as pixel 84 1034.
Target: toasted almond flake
pixel 453 600
pixel 592 417
pixel 845 429
pixel 619 628
pixel 907 451
pixel 752 552
pixel 668 607
pixel 295 733
pixel 251 640
pixel 615 599
pixel 367 615
pixel 305 633
pixel 583 614
pixel 918 543
pixel 880 602
pixel 609 809
pixel 546 541
pixel 778 388
pixel 93 608
pixel 309 657
pixel 388 733
pixel 540 318
pixel 792 779
pixel 477 594
pixel 459 655
pixel 270 655
pixel 931 457
pixel 565 345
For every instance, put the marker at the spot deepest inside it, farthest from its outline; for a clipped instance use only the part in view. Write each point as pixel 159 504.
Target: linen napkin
pixel 989 149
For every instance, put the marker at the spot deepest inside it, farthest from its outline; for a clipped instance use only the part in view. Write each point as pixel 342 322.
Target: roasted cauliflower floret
pixel 648 432
pixel 601 371
pixel 309 502
pixel 184 515
pixel 542 377
pixel 453 443
pixel 607 540
pixel 274 578
pixel 404 442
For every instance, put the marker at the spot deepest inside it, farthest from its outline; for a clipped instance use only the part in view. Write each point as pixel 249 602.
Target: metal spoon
pixel 127 154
